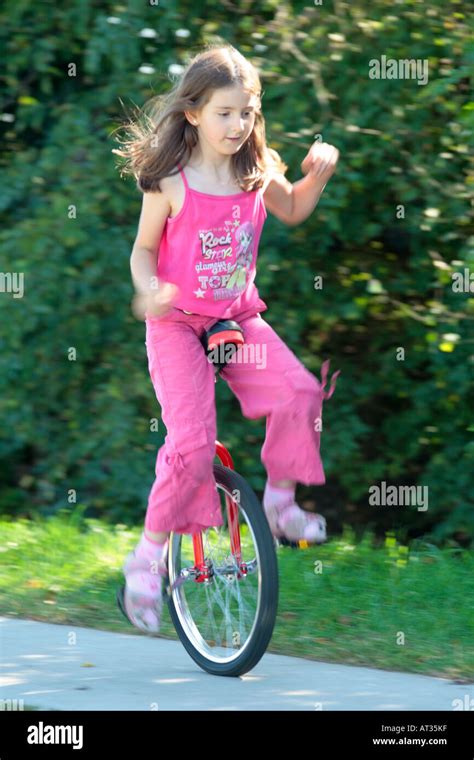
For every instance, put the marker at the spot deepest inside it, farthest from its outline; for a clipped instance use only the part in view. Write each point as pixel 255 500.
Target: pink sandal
pixel 295 524
pixel 141 599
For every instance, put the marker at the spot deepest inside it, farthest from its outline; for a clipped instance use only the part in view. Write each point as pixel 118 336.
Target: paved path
pixel 49 667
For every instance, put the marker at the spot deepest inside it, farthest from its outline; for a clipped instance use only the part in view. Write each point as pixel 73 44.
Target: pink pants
pixel 269 383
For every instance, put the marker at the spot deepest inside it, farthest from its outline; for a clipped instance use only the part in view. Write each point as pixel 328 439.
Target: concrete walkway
pixel 64 667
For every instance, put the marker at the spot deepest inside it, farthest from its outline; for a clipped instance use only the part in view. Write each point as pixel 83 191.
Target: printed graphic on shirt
pixel 224 273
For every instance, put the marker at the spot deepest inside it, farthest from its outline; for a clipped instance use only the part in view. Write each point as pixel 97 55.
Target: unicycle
pixel 222 584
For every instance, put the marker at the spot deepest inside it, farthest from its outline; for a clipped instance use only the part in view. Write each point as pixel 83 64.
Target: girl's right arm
pixel 149 298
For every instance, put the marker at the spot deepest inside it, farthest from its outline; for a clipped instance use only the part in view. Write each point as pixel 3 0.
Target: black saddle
pixel 221 341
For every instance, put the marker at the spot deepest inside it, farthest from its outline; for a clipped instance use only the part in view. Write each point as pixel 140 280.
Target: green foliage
pixel 76 398
pixel 329 606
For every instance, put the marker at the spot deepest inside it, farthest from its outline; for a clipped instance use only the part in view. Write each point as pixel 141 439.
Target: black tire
pixel 262 629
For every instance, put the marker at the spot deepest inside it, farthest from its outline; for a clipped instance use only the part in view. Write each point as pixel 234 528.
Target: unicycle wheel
pixel 224 612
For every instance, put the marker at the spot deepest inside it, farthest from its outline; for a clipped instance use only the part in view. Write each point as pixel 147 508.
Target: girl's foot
pixel 296 524
pixel 141 599
pixel 288 520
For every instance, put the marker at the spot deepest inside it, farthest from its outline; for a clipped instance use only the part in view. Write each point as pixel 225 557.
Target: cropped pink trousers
pixel 269 381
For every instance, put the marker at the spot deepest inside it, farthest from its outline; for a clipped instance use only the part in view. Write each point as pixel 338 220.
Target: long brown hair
pixel 161 136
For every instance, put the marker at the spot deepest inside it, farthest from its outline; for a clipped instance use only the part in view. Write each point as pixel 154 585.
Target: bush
pixel 388 235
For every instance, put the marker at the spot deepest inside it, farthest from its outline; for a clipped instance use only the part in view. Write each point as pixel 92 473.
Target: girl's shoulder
pixel 170 186
pixel 174 180
pixel 170 179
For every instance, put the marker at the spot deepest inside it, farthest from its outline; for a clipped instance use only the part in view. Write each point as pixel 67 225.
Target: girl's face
pixel 229 113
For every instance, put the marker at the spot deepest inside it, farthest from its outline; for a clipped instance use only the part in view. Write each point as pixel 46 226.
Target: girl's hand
pixel 321 161
pixel 155 303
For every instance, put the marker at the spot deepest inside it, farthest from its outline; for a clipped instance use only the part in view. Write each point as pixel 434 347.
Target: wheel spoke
pixel 219 613
pixel 224 611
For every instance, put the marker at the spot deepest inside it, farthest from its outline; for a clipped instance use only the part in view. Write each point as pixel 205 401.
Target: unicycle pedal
pixel 301 544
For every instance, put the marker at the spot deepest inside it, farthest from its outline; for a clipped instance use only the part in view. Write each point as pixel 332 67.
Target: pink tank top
pixel 209 250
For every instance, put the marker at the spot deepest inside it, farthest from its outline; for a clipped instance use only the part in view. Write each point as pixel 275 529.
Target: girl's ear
pixel 191 118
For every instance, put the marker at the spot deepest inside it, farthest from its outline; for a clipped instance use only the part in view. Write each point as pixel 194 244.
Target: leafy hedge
pixel 389 233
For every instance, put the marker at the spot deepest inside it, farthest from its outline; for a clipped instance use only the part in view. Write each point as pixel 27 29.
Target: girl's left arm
pixel 293 203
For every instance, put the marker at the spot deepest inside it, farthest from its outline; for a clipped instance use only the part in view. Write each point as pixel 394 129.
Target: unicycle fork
pixel 222 589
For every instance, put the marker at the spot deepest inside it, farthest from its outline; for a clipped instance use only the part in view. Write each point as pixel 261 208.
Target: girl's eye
pixel 226 114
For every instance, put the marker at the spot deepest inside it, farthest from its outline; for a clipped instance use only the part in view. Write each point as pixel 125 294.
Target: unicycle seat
pixel 221 341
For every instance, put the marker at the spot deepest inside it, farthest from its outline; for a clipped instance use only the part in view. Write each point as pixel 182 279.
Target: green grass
pixel 358 609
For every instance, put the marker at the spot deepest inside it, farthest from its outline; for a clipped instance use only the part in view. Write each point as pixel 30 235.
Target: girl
pixel 207 177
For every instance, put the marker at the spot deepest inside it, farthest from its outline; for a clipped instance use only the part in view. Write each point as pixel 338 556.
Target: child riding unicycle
pixel 208 178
